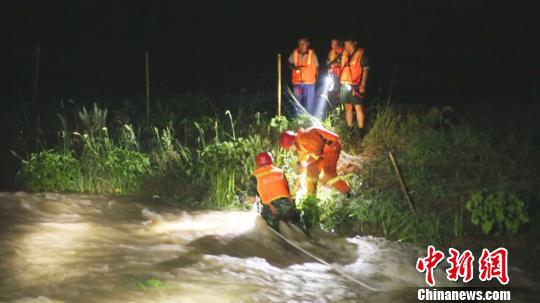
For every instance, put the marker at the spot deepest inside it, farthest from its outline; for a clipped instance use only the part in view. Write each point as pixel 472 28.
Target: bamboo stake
pixel 36 77
pixel 147 69
pixel 279 83
pixel 392 84
pixel 402 183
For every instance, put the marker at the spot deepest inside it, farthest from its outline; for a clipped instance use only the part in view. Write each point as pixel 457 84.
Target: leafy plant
pixel 50 171
pixel 495 211
pixel 279 123
pixel 311 211
pixel 227 167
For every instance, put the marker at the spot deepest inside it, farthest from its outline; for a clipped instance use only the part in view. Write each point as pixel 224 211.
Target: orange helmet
pixel 286 140
pixel 264 159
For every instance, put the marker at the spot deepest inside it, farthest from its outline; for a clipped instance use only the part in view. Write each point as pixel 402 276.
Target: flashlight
pixel 329 82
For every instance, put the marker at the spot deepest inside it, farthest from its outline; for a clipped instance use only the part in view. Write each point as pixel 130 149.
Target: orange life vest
pixel 305 71
pixel 336 66
pixel 312 142
pixel 351 70
pixel 271 183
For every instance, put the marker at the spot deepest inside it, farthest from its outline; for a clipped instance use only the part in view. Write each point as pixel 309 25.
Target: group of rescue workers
pixel 346 81
pixel 318 149
pixel 318 153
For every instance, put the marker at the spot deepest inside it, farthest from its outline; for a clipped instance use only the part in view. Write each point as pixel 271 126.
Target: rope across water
pixel 339 271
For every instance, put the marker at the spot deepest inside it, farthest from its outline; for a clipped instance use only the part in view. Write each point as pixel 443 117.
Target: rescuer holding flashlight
pixel 334 57
pixel 305 66
pixel 272 190
pixel 318 154
pixel 354 73
pixel 333 62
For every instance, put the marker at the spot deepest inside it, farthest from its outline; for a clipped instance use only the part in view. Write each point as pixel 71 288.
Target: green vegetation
pixel 214 168
pixel 50 171
pixel 151 284
pixel 202 160
pixel 89 161
pixel 497 210
pixel 311 212
pixel 444 161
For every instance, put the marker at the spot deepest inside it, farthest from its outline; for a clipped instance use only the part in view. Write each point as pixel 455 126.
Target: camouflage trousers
pixel 282 209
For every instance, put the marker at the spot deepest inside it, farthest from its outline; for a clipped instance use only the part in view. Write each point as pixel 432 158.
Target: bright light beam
pixel 301 110
pixel 323 101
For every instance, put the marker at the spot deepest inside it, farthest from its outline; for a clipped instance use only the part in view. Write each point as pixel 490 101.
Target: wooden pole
pixel 36 77
pixel 147 69
pixel 279 83
pixel 402 183
pixel 392 84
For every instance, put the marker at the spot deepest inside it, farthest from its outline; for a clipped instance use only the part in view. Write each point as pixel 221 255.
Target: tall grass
pixel 89 159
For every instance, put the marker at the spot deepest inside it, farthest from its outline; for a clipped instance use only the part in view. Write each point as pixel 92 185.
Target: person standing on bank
pixel 305 70
pixel 333 63
pixel 353 78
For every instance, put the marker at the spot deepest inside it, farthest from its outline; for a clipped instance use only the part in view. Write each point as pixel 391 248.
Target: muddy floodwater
pixel 80 248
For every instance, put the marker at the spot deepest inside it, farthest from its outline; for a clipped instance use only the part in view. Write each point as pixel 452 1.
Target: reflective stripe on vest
pixel 334 180
pixel 306 72
pixel 333 55
pixel 324 133
pixel 271 184
pixel 352 72
pixel 312 142
pixel 296 58
pixel 336 66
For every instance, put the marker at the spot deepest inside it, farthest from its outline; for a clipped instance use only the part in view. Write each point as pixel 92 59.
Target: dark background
pixel 443 52
pixel 442 49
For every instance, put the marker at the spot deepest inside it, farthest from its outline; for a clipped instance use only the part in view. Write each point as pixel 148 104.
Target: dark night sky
pixel 442 49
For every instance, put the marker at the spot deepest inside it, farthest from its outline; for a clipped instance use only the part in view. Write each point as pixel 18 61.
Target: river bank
pixel 469 178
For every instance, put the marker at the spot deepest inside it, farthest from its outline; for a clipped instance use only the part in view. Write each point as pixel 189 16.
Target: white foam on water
pixel 74 248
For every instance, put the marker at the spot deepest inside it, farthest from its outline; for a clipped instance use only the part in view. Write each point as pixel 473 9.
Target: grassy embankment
pixel 465 177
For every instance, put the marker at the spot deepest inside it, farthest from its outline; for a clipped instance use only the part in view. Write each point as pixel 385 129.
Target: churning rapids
pixel 81 248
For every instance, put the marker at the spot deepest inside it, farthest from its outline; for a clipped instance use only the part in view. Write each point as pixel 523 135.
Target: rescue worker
pixel 334 57
pixel 305 67
pixel 354 73
pixel 272 190
pixel 333 62
pixel 318 153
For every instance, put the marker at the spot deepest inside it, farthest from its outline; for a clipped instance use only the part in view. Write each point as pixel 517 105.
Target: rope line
pixel 318 259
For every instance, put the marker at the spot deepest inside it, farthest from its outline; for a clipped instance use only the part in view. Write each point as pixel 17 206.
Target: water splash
pixel 79 248
pixel 300 110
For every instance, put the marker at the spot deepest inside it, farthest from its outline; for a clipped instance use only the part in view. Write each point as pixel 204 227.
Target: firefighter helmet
pixel 263 159
pixel 286 140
